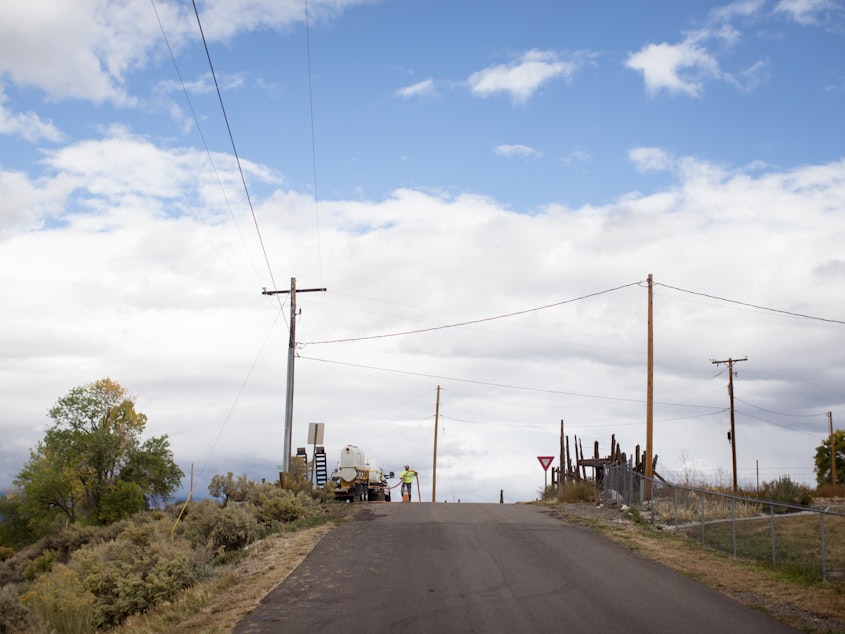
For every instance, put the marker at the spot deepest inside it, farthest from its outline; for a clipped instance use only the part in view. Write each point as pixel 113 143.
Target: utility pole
pixel 289 391
pixel 732 439
pixel 434 468
pixel 649 407
pixel 832 450
pixel 560 468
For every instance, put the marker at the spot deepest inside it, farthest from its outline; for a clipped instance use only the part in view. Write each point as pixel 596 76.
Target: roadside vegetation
pixel 85 578
pixel 88 540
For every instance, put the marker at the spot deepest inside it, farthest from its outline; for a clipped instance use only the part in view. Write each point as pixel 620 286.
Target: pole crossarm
pixel 264 291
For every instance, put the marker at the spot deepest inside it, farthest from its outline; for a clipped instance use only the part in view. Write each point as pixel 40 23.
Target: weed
pixel 59 600
pixel 570 492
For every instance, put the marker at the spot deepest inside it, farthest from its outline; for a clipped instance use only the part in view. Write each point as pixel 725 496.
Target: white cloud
pixel 686 67
pixel 517 150
pixel 524 76
pixel 740 8
pixel 223 19
pixel 676 68
pixel 167 304
pixel 577 157
pixel 75 50
pixel 27 125
pixel 650 159
pixel 805 11
pixel 425 87
pixel 85 49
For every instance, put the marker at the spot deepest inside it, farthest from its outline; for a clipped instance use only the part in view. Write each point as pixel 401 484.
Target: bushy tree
pixel 823 463
pixel 230 488
pixel 92 464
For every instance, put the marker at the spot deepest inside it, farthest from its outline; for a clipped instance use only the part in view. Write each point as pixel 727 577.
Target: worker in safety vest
pixel 407 478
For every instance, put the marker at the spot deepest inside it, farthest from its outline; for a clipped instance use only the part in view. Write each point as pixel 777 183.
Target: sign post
pixel 545 461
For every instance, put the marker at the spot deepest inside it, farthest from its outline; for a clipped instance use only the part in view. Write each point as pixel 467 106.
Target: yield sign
pixel 545 461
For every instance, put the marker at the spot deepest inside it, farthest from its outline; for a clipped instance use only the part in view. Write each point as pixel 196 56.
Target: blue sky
pixel 471 160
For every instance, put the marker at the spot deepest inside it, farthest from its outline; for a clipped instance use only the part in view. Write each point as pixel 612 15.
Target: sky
pixel 483 188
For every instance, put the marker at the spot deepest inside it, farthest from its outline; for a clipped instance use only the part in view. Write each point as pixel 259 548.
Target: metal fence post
pixel 675 500
pixel 772 515
pixel 702 518
pixel 733 523
pixel 824 566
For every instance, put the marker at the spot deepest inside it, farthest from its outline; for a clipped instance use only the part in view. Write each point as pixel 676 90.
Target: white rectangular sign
pixel 315 433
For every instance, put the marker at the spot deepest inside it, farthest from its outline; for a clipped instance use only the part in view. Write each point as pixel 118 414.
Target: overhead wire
pixel 471 321
pixel 227 202
pixel 757 306
pixel 768 411
pixel 768 422
pixel 502 385
pixel 313 141
pixel 234 147
pixel 240 392
pixel 202 135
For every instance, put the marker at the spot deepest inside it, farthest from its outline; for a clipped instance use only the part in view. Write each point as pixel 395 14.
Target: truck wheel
pixel 359 492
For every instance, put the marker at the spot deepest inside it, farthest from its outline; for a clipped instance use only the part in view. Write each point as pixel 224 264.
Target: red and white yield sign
pixel 545 461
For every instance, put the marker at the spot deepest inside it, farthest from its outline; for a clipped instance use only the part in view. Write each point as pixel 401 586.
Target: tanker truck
pixel 357 479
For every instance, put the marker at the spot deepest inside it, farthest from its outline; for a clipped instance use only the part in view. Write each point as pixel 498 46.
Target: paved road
pixel 447 568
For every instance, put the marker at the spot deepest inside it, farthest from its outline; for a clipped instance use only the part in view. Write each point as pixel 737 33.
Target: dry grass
pixel 808 606
pixel 688 509
pixel 797 542
pixel 216 606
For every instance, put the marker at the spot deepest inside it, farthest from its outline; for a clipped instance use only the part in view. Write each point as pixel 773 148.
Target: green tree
pixel 822 459
pixel 92 464
pixel 14 529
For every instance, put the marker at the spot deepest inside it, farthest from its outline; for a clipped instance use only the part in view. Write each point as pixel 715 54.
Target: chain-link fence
pixel 807 541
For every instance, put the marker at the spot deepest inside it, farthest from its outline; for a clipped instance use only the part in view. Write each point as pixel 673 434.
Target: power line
pixel 506 385
pixel 476 382
pixel 768 411
pixel 733 301
pixel 232 141
pixel 238 396
pixel 768 422
pixel 313 141
pixel 202 136
pixel 472 321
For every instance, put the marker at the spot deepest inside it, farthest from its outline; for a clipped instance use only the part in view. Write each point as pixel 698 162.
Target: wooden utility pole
pixel 832 450
pixel 434 466
pixel 561 463
pixel 730 363
pixel 291 353
pixel 649 407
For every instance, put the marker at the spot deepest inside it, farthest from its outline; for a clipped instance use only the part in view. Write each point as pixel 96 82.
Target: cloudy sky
pixel 482 187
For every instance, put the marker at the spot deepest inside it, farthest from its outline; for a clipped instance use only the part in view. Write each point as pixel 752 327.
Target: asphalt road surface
pixel 446 568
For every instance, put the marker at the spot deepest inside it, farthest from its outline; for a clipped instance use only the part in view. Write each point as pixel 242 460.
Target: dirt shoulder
pixel 808 607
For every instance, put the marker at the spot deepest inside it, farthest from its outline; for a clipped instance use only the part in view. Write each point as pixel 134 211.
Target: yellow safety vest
pixel 407 476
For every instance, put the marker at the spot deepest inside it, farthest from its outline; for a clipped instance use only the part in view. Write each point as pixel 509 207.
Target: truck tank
pixel 351 462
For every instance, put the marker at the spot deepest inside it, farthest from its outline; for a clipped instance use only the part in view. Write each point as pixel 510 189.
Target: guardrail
pixel 798 538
